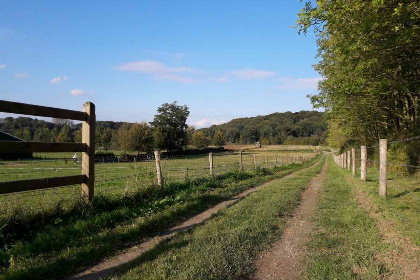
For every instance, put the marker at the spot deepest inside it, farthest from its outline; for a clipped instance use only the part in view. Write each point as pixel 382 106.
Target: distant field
pixel 276 147
pixel 121 178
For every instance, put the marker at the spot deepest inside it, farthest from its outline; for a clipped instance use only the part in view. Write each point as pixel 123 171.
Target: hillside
pixel 304 127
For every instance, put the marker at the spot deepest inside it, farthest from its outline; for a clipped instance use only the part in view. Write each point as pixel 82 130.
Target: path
pixel 109 266
pixel 285 258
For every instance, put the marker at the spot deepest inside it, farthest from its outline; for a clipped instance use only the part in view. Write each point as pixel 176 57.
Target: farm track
pixel 285 258
pixel 402 252
pixel 111 265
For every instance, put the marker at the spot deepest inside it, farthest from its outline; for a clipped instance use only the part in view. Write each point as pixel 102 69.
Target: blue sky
pixel 224 59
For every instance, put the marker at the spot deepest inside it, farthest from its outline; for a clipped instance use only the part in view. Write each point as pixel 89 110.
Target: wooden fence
pixel 87 147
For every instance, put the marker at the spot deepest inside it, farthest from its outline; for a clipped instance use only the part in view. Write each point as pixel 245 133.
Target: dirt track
pixel 110 265
pixel 284 259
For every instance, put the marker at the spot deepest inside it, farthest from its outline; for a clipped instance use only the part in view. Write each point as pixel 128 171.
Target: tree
pixel 43 135
pixel 123 138
pixel 141 137
pixel 170 126
pixel 77 136
pixel 219 139
pixel 190 131
pixel 200 141
pixel 24 134
pixel 65 135
pixel 369 59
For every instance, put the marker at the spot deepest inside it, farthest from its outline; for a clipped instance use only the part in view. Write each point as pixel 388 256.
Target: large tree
pixel 369 57
pixel 170 126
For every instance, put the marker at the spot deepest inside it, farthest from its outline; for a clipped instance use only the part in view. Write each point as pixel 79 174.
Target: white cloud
pixel 22 75
pixel 58 80
pixel 251 73
pixel 77 92
pixel 298 83
pixel 207 122
pixel 3 65
pixel 159 70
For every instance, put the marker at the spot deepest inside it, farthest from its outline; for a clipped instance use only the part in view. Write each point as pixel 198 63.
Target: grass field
pixel 48 233
pixel 120 178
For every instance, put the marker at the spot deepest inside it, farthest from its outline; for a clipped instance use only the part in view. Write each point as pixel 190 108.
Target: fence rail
pixel 87 147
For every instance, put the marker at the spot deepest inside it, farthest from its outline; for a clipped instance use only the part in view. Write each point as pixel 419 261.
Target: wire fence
pixel 124 177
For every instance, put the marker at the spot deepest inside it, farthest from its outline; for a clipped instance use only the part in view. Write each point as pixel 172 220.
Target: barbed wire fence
pixel 119 178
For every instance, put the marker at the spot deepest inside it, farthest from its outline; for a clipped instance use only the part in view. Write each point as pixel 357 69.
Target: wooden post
pixel 241 166
pixel 211 163
pixel 383 149
pixel 344 160
pixel 158 169
pixel 255 161
pixel 348 160
pixel 275 159
pixel 363 161
pixel 353 158
pixel 88 157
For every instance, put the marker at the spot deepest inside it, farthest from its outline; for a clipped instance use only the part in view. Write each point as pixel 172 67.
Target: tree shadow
pixel 405 192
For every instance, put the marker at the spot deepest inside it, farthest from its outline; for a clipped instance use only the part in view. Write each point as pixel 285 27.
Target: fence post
pixel 363 161
pixel 353 163
pixel 241 166
pixel 88 157
pixel 211 163
pixel 383 149
pixel 348 160
pixel 255 161
pixel 275 159
pixel 158 169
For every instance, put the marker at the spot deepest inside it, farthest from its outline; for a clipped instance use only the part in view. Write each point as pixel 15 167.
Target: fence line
pixel 383 161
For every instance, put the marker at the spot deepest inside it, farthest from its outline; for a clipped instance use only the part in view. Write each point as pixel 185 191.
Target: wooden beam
pixel 42 111
pixel 40 147
pixel 38 184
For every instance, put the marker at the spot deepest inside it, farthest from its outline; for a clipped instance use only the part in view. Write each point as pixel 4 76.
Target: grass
pixel 65 242
pixel 113 179
pixel 225 246
pixel 402 204
pixel 347 242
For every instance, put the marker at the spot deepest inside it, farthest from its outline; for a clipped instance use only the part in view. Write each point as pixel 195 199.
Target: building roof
pixel 8 137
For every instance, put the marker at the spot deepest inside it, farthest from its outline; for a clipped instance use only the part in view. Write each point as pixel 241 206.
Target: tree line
pixel 168 131
pixel 299 128
pixel 369 58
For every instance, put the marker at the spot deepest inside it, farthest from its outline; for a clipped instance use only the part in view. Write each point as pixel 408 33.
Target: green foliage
pixel 273 129
pixel 199 140
pixel 170 126
pixel 65 135
pixel 219 139
pixel 369 58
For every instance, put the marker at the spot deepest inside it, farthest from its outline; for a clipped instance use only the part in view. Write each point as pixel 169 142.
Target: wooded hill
pixel 299 128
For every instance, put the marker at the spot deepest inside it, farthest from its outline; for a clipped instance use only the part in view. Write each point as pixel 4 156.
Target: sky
pixel 223 59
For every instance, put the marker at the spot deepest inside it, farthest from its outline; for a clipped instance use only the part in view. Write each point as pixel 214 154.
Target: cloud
pixel 77 92
pixel 22 75
pixel 207 122
pixel 3 65
pixel 159 70
pixel 58 80
pixel 251 73
pixel 298 83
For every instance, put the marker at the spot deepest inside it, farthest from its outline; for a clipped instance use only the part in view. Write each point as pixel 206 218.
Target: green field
pixel 58 240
